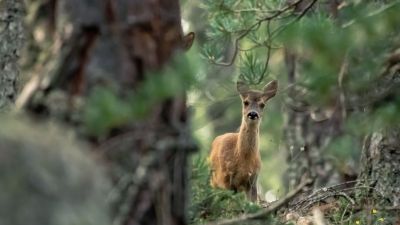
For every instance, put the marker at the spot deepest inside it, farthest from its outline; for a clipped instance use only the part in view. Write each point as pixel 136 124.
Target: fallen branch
pixel 262 214
pixel 327 192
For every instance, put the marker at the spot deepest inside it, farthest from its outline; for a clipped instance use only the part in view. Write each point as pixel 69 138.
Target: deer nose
pixel 252 115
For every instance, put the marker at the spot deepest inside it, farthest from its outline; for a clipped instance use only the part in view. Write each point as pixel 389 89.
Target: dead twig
pixel 327 192
pixel 344 213
pixel 325 196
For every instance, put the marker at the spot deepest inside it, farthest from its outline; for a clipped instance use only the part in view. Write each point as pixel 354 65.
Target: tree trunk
pixel 11 36
pixel 380 164
pixel 309 129
pixel 380 157
pixel 308 132
pixel 119 46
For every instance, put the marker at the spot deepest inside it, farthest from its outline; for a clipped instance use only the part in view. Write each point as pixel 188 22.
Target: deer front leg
pixel 251 192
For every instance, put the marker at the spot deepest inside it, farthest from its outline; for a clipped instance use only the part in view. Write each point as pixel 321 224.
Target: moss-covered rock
pixel 47 178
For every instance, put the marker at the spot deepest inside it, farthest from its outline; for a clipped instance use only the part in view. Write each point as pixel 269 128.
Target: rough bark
pixel 114 44
pixel 380 167
pixel 11 36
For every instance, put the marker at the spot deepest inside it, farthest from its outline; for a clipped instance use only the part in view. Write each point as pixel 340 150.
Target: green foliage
pixel 363 37
pixel 368 214
pixel 105 109
pixel 250 69
pixel 230 20
pixel 212 204
pixel 343 148
pixel 361 32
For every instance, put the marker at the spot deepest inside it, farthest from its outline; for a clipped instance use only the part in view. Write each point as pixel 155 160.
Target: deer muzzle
pixel 253 115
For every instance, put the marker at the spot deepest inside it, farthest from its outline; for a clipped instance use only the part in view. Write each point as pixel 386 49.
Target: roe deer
pixel 235 157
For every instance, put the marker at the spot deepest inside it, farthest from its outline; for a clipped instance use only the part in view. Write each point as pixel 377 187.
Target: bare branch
pixel 306 9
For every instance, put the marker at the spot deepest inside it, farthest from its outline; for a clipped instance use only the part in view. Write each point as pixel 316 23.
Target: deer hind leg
pixel 229 182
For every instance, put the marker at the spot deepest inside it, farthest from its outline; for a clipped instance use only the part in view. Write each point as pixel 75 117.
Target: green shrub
pixel 211 204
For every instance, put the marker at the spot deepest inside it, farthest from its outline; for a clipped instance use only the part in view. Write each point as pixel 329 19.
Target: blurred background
pixel 109 109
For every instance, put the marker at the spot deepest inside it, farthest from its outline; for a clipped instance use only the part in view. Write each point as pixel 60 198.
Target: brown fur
pixel 235 157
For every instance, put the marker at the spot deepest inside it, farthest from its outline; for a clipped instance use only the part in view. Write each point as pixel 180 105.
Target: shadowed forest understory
pixel 174 112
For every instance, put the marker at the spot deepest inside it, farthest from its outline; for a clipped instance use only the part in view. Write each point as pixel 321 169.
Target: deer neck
pixel 248 138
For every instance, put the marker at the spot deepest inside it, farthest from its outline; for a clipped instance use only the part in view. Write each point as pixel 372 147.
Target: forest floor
pixel 329 205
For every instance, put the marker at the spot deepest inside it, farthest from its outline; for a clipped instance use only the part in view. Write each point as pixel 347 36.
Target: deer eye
pixel 262 105
pixel 246 103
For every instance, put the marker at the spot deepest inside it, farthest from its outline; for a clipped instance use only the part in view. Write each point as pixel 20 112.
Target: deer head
pixel 254 101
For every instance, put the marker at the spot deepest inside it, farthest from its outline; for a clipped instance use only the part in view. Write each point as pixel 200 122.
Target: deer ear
pixel 270 89
pixel 242 88
pixel 187 41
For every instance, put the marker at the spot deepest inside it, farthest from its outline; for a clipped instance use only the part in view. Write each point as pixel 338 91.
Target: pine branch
pixel 256 25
